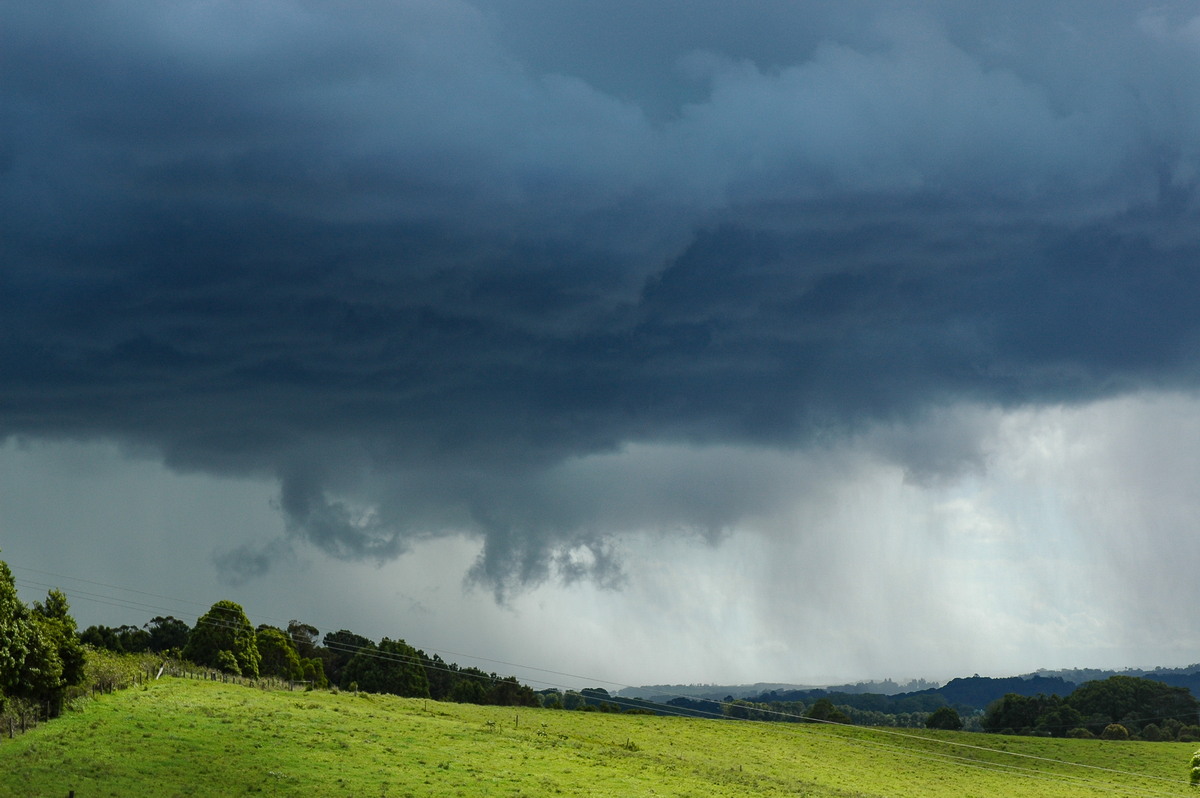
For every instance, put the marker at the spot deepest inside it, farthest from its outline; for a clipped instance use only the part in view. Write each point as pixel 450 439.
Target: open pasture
pixel 179 737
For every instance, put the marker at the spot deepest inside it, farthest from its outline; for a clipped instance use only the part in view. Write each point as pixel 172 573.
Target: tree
pixel 278 655
pixel 944 718
pixel 340 648
pixel 56 624
pixel 40 653
pixel 1153 733
pixel 441 675
pixel 392 667
pixel 1131 700
pixel 304 638
pixel 470 691
pixel 224 628
pixel 313 670
pixel 15 632
pixel 824 710
pixel 1014 713
pixel 508 692
pixel 1059 718
pixel 167 633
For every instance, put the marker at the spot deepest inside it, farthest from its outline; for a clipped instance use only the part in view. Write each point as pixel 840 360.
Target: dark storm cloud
pixel 416 259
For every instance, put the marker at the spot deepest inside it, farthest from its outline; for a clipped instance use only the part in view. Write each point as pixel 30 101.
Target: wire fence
pixel 19 715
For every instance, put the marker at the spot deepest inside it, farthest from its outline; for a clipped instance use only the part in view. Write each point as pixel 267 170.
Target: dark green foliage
pixel 1151 733
pixel 1050 716
pixel 120 640
pixel 1058 717
pixel 340 648
pixel 508 692
pixel 304 638
pixel 749 710
pixel 449 682
pixel 442 676
pixel 698 707
pixel 392 667
pixel 1132 702
pixel 15 632
pixel 224 628
pixel 278 657
pixel 167 634
pixel 978 692
pixel 823 710
pixel 227 662
pixel 468 691
pixel 944 718
pixel 924 701
pixel 313 671
pixel 58 628
pixel 40 652
pixel 1014 712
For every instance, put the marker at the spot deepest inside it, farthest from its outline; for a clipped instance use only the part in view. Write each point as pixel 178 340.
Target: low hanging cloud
pixel 436 278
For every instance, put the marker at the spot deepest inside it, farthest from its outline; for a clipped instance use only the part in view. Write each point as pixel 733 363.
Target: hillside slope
pixel 191 738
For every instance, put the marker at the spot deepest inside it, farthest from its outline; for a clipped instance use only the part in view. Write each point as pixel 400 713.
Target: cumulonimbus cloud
pixel 401 262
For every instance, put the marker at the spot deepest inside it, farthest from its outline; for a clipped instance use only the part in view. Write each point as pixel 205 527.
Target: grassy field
pixel 189 738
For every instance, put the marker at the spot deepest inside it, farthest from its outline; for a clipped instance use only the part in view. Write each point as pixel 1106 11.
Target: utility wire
pixel 619 701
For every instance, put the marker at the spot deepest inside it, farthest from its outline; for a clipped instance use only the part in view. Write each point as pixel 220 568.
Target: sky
pixel 624 343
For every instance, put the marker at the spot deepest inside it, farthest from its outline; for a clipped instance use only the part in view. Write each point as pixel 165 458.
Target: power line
pixel 619 701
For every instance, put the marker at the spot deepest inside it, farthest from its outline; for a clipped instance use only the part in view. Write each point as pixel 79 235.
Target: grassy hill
pixel 179 737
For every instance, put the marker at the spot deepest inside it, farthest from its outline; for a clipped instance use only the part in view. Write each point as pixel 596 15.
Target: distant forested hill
pixel 969 694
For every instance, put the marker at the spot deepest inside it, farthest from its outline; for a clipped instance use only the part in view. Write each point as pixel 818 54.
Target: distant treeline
pixel 224 639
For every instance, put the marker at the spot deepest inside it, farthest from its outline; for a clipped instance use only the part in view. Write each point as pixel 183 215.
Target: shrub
pixel 1189 734
pixel 1115 731
pixel 944 718
pixel 1080 733
pixel 227 662
pixel 1151 732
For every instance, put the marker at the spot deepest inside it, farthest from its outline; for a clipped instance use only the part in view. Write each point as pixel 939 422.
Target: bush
pixel 1152 733
pixel 944 718
pixel 1189 734
pixel 1080 733
pixel 227 662
pixel 1115 731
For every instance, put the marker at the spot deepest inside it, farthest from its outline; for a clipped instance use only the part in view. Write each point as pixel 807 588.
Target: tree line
pixel 224 639
pixel 43 655
pixel 1119 707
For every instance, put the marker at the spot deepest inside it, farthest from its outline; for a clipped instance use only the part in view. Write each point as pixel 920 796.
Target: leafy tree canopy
pixel 944 718
pixel 392 667
pixel 167 633
pixel 40 653
pixel 278 656
pixel 224 628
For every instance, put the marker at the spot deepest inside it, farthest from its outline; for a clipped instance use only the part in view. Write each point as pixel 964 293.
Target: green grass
pixel 189 738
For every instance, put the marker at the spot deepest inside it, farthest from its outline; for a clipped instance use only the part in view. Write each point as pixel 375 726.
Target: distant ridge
pixel 718 692
pixel 967 693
